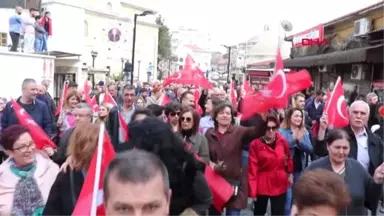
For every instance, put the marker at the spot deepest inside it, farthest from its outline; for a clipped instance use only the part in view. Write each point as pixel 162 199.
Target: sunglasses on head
pixel 188 119
pixel 272 128
pixel 173 114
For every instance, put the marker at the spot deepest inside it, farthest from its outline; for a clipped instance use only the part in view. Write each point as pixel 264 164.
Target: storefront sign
pixel 312 36
pixel 313 42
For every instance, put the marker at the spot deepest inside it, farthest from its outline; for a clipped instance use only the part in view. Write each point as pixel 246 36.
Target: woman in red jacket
pixel 270 170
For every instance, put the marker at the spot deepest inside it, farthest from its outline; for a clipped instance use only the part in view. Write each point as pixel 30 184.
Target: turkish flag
pixel 298 81
pixel 246 88
pixel 123 127
pixel 221 190
pixel 273 95
pixel 197 98
pixel 109 99
pixel 38 135
pixel 84 202
pixel 336 107
pixel 93 104
pixel 86 92
pixel 189 75
pixel 232 92
pixel 64 94
pixel 165 99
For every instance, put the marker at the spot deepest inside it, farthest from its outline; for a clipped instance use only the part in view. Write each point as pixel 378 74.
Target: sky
pixel 232 22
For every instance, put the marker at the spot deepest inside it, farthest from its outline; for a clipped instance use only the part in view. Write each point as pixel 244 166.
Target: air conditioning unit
pixel 361 27
pixel 358 71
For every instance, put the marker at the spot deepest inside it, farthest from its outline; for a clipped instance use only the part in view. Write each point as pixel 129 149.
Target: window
pixel 85 28
pixel 3 39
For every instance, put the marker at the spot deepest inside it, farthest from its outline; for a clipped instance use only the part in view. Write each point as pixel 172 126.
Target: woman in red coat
pixel 270 170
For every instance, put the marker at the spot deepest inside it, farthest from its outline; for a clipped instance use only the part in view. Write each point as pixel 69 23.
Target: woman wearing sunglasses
pixel 270 169
pixel 189 129
pixel 172 112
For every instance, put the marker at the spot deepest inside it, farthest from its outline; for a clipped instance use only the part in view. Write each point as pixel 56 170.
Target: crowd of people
pixel 280 157
pixel 33 30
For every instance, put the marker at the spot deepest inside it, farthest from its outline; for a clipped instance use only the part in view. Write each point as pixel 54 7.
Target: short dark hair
pixel 136 166
pixel 172 107
pixel 141 111
pixel 273 118
pixel 156 110
pixel 32 9
pixel 47 12
pixel 128 87
pixel 10 135
pixel 336 134
pixel 319 93
pixel 27 81
pixel 37 17
pixel 321 187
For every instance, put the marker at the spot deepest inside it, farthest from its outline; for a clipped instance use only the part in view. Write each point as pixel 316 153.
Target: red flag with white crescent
pixel 84 202
pixel 64 94
pixel 336 107
pixel 273 95
pixel 38 135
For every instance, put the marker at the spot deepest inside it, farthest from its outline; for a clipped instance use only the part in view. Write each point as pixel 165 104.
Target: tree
pixel 164 46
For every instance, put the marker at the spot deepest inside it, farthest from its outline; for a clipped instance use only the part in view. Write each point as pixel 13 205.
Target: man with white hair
pixel 365 147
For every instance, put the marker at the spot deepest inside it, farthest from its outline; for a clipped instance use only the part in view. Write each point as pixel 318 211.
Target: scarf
pixel 27 198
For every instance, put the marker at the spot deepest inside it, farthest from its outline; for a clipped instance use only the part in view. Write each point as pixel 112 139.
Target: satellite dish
pixel 287 26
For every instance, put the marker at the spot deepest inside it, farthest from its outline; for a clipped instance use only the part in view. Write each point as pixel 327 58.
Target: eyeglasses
pixel 271 128
pixel 188 119
pixel 25 147
pixel 173 114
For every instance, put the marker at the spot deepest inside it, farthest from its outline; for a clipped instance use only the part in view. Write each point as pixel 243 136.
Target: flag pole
pixel 333 92
pixel 98 170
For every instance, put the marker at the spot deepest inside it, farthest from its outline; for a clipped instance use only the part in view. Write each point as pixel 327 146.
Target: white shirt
pixel 362 149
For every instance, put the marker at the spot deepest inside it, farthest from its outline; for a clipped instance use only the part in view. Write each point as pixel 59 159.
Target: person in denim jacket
pixel 298 138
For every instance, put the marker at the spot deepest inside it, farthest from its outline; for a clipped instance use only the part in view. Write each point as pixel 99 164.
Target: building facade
pixel 82 29
pixel 350 47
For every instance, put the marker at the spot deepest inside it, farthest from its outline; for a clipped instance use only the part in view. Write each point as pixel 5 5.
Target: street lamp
pixel 94 55
pixel 229 48
pixel 145 13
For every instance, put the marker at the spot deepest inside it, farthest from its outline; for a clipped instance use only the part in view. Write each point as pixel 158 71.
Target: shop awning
pixel 341 57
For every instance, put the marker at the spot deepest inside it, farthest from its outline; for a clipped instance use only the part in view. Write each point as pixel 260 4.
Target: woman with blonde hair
pixel 82 146
pixel 293 130
pixel 104 109
pixel 67 119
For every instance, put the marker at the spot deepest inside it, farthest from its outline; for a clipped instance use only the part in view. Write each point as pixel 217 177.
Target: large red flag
pixel 84 202
pixel 221 190
pixel 165 99
pixel 246 88
pixel 87 92
pixel 336 107
pixel 64 94
pixel 40 138
pixel 273 95
pixel 189 75
pixel 109 99
pixel 298 81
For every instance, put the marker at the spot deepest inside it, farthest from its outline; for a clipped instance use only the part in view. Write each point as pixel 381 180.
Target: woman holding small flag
pixel 67 119
pixel 68 184
pixel 26 176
